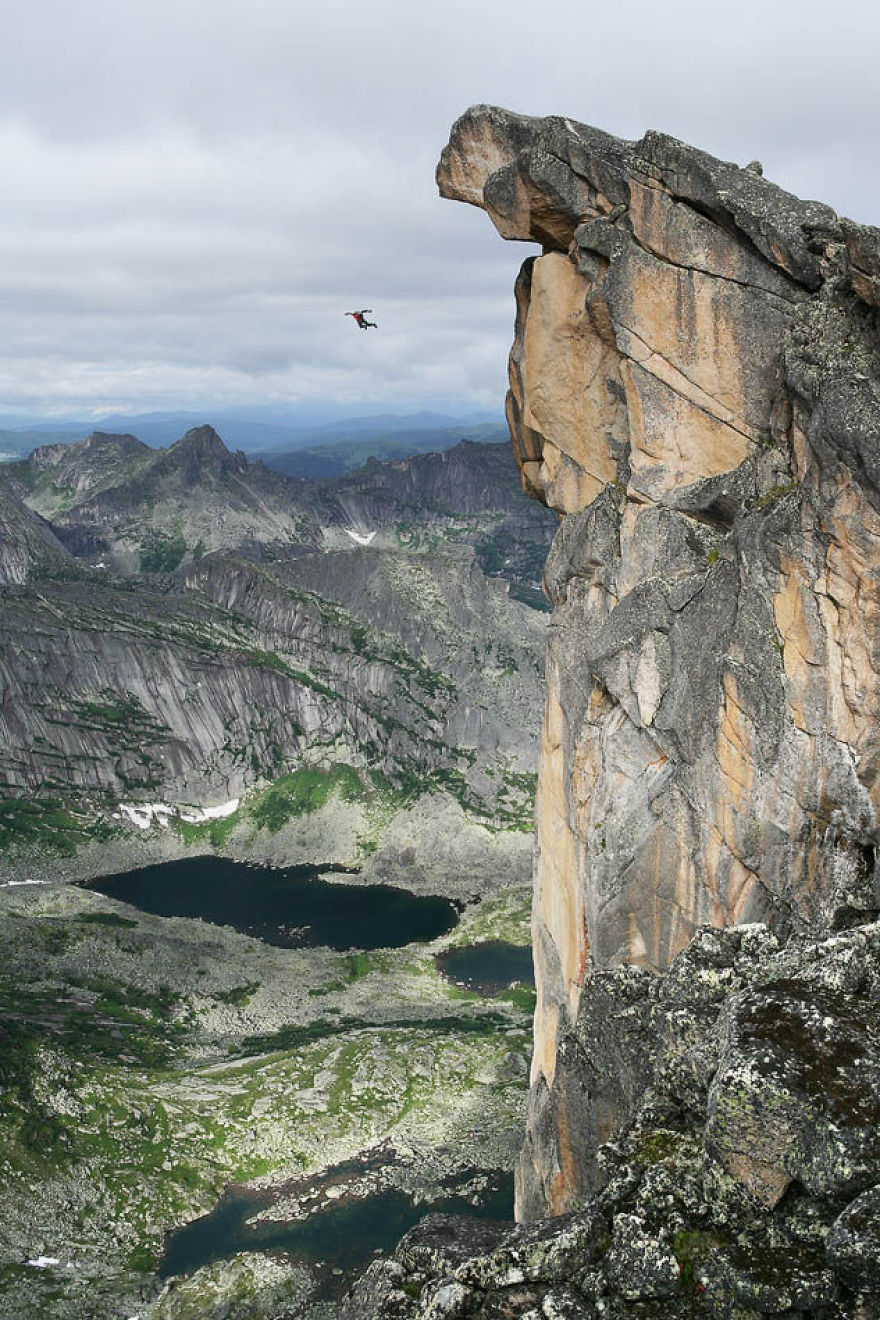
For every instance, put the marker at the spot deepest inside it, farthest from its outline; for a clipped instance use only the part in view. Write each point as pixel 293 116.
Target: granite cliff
pixel 28 546
pixel 695 389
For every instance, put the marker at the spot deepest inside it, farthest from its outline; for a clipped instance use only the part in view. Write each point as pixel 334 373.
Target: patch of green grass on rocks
pixel 301 793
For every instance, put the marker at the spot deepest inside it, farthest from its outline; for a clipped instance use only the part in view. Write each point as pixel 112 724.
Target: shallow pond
pixel 336 1242
pixel 290 907
pixel 487 968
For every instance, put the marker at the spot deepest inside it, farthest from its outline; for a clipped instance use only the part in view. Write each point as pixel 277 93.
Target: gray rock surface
pixel 412 664
pixel 797 1093
pixel 853 1243
pixel 28 546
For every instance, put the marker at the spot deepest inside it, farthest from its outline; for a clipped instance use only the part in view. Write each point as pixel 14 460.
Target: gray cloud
pixel 195 192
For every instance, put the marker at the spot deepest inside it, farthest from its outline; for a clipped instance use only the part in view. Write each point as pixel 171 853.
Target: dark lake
pixel 487 968
pixel 289 907
pixel 343 1236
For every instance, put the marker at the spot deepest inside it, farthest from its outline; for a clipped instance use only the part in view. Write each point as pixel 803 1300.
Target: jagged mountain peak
pixel 104 443
pixel 200 450
pixel 115 441
pixel 113 505
pixel 200 439
pixel 198 454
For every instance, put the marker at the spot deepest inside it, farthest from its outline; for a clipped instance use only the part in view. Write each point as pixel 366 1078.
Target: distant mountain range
pixel 346 447
pixel 330 439
pixel 116 504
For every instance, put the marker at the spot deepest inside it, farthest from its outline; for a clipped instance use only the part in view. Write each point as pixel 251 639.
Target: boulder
pixel 797 1092
pixel 853 1245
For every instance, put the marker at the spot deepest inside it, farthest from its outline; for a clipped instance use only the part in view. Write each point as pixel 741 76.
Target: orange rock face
pixel 694 389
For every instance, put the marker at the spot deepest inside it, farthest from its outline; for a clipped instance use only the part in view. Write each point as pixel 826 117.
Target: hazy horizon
pixel 309 413
pixel 270 433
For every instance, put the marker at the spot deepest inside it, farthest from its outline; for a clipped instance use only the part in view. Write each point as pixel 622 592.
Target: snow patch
pixel 362 538
pixel 43 1262
pixel 200 814
pixel 146 814
pixel 8 884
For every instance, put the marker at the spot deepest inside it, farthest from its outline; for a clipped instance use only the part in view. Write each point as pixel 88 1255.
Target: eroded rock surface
pixel 695 389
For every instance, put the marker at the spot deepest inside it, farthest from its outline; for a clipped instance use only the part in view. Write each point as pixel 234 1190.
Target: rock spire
pixel 695 389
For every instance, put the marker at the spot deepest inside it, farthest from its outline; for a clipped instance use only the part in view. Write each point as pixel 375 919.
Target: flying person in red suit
pixel 361 318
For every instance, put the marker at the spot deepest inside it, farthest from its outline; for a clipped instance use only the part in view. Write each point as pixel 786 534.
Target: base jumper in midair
pixel 361 318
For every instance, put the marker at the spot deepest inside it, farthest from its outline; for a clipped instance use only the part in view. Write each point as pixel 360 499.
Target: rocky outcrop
pixel 695 389
pixel 745 1179
pixel 28 547
pixel 86 466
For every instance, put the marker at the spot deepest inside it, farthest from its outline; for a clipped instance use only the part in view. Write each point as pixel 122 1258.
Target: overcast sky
pixel 195 191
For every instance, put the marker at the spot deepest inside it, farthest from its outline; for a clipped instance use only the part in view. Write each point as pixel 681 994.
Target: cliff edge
pixel 695 389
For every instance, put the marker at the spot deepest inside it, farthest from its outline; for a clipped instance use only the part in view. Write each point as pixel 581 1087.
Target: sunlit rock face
pixel 695 389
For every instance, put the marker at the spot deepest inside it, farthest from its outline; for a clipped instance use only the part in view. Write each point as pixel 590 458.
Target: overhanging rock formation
pixel 695 388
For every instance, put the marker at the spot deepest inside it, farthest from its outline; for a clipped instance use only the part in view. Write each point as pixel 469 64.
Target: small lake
pixel 289 907
pixel 487 968
pixel 337 1242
